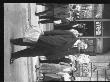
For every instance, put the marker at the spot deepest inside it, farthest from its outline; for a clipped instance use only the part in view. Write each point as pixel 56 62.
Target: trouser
pixel 44 4
pixel 49 19
pixel 19 41
pixel 48 11
pixel 51 4
pixel 56 61
pixel 62 27
pixel 36 49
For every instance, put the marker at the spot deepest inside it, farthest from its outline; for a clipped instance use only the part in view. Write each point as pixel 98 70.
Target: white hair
pixel 75 32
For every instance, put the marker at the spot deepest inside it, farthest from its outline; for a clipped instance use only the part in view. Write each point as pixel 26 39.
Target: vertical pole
pixel 105 74
pixel 82 70
pixel 97 75
pixel 94 29
pixel 91 71
pixel 79 70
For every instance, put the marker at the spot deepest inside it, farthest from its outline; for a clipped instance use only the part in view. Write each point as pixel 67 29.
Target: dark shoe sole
pixel 11 60
pixel 36 14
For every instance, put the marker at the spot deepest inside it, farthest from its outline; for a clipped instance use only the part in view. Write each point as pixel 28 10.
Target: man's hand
pixel 72 58
pixel 75 25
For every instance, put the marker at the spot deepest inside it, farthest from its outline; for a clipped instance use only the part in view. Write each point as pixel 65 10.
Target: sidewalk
pixel 14 22
pixel 15 18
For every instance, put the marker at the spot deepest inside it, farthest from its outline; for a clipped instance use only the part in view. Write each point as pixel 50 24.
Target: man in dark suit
pixel 77 25
pixel 53 44
pixel 53 13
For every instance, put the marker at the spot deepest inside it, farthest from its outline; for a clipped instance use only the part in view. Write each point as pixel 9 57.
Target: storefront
pixel 96 29
pixel 97 21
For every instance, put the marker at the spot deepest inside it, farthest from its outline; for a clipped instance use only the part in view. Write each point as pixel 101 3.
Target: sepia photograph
pixel 56 42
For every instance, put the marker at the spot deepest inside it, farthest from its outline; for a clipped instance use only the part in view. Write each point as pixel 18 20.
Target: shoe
pixel 15 41
pixel 36 14
pixel 38 22
pixel 12 60
pixel 11 41
pixel 40 17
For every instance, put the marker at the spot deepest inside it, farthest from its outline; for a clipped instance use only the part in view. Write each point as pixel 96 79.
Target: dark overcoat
pixel 57 43
pixel 53 44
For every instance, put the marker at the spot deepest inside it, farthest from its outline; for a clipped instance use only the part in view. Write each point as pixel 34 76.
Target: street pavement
pixel 14 22
pixel 23 69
